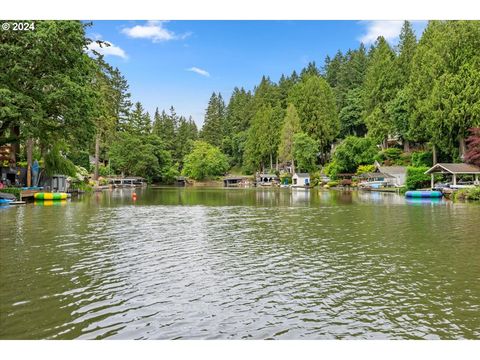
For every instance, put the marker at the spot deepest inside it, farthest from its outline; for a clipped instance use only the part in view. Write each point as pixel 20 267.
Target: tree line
pixel 62 105
pixel 420 95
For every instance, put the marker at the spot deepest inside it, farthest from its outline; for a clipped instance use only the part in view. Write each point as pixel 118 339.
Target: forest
pixel 415 103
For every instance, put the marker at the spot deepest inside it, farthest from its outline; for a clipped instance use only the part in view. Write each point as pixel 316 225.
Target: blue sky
pixel 181 63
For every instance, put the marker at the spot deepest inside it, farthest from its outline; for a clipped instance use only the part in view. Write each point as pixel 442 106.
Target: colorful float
pixel 50 196
pixel 424 194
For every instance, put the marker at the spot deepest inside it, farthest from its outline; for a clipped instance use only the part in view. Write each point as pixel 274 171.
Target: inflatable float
pixel 423 194
pixel 50 196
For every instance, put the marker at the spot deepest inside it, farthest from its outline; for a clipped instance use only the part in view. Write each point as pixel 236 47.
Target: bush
pixel 468 194
pixel 422 158
pixel 362 169
pixel 332 183
pixel 416 178
pixel 13 191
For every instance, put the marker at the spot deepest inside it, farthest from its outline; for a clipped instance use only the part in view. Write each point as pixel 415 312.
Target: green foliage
pixel 291 126
pixel 389 156
pixel 57 163
pixel 380 87
pixel 205 161
pixel 351 115
pixel 213 125
pixel 13 191
pixel 416 178
pixel 351 153
pixel 422 158
pixel 316 107
pixel 305 152
pixel 333 183
pixel 468 194
pixel 362 169
pixel 140 156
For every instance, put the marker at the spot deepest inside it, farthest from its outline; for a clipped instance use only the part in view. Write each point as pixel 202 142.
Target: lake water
pixel 240 264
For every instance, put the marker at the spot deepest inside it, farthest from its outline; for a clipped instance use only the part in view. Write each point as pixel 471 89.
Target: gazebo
pixel 454 169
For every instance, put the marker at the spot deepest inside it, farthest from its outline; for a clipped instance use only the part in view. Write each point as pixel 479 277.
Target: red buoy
pixel 134 196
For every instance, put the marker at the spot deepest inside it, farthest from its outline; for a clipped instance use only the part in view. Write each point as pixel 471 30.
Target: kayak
pixel 5 201
pixel 423 194
pixel 50 196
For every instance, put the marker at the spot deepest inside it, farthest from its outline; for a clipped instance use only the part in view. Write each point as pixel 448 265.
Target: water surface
pixel 240 264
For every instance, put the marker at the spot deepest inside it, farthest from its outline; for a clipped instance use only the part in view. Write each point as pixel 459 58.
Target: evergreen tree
pixel 291 126
pixel 315 103
pixel 380 87
pixel 213 125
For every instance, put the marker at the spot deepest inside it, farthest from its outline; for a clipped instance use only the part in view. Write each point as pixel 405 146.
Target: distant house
pixel 397 174
pixel 267 179
pixel 301 179
pixel 234 181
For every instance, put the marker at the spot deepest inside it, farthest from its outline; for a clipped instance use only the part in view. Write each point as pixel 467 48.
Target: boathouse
pixel 301 179
pixel 233 181
pixel 268 179
pixel 456 170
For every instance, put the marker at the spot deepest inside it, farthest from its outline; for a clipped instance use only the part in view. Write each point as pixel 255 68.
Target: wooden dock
pixel 27 194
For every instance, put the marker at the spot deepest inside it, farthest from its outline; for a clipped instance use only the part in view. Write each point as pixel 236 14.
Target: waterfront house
pixel 301 179
pixel 234 181
pixel 397 175
pixel 267 179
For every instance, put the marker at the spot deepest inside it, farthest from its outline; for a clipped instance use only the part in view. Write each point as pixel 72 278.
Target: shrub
pixel 332 183
pixel 362 169
pixel 13 191
pixel 416 177
pixel 468 194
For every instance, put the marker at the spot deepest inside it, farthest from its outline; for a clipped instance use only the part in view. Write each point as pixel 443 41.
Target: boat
pixel 6 198
pixel 423 194
pixel 50 196
pixel 5 201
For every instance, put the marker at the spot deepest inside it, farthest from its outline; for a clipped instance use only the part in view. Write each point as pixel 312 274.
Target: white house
pixel 301 179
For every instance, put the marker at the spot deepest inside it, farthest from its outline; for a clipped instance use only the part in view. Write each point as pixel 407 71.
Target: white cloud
pixel 153 30
pixel 107 49
pixel 199 71
pixel 389 29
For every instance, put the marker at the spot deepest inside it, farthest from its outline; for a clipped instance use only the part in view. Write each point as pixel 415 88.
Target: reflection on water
pixel 240 263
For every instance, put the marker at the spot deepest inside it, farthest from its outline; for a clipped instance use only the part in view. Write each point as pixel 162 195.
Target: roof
pixel 376 175
pixel 233 178
pixel 393 169
pixel 454 168
pixel 268 175
pixel 302 175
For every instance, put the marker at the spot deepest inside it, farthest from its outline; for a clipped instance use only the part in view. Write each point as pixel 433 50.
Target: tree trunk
pixel 293 166
pixel 97 155
pixel 276 163
pixel 271 161
pixel 406 146
pixel 29 161
pixel 434 152
pixel 462 147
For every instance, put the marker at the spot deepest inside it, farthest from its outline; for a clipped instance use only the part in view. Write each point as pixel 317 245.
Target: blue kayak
pixel 5 201
pixel 423 194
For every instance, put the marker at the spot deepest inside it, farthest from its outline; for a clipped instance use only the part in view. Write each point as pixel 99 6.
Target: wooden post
pixel 454 179
pixel 432 181
pixel 29 161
